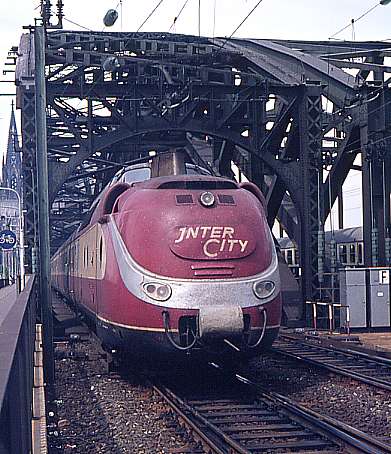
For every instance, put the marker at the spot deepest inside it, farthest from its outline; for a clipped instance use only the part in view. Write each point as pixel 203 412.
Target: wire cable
pixel 122 13
pixel 78 25
pixel 241 23
pixel 353 21
pixel 199 18
pixel 214 18
pixel 150 15
pixel 178 15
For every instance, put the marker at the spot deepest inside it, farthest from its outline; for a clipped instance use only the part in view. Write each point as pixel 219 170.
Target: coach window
pixel 343 255
pixel 73 258
pixel 100 251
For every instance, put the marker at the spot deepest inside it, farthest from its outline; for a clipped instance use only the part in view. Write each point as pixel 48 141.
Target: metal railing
pixel 17 342
pixel 330 315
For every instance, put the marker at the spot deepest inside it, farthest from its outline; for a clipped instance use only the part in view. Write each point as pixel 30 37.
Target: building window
pixel 360 254
pixel 296 261
pixel 352 254
pixel 343 254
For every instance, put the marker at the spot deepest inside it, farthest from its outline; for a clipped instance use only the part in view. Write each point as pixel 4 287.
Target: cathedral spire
pixel 12 162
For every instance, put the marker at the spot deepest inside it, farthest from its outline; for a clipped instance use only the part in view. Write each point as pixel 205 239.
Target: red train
pixel 175 264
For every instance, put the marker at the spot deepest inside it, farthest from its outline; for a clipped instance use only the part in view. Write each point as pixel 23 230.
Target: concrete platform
pixel 7 299
pixel 377 341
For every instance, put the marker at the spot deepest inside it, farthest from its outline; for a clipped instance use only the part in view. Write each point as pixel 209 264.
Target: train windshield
pixel 136 175
pixel 143 172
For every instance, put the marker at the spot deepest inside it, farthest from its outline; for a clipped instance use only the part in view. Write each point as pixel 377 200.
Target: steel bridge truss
pixel 292 116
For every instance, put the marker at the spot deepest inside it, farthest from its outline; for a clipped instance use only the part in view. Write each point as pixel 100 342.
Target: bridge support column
pixel 376 174
pixel 43 205
pixel 27 105
pixel 311 244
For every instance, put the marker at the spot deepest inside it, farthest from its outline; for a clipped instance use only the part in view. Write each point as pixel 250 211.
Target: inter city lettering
pixel 219 239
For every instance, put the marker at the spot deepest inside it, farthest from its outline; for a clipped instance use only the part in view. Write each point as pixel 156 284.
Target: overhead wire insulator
pixel 385 2
pixel 60 11
pixel 110 18
pixel 46 11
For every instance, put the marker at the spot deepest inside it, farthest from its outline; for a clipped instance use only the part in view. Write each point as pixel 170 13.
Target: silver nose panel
pixel 220 321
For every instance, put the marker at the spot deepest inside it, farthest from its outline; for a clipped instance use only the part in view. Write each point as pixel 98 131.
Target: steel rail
pixel 354 437
pixel 379 359
pixel 336 428
pixel 349 355
pixel 176 403
pixel 330 432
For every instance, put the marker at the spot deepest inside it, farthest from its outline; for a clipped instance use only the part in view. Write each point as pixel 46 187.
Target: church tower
pixel 12 161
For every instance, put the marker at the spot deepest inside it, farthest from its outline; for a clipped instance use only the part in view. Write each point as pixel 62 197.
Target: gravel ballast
pixel 117 413
pixel 359 405
pixel 107 413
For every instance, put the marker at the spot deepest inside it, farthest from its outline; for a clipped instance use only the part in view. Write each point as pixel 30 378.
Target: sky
pixel 284 19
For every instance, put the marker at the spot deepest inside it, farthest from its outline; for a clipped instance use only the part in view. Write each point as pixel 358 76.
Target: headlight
pixel 207 199
pixel 264 289
pixel 159 292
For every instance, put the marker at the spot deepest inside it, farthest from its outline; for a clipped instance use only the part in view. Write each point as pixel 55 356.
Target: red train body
pixel 173 265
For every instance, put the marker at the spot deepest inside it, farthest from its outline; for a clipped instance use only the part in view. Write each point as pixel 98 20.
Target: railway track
pixel 243 418
pixel 234 415
pixel 372 370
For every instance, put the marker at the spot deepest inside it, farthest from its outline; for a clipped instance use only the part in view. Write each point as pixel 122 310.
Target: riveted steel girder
pixel 262 104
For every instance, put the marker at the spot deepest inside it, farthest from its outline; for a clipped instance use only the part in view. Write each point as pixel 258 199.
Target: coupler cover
pixel 220 321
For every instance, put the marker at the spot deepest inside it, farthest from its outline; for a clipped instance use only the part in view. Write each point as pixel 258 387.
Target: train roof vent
pixel 184 199
pixel 225 199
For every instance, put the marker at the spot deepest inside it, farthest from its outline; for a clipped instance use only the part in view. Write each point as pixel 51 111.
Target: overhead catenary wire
pixel 178 15
pixel 122 13
pixel 78 25
pixel 354 21
pixel 150 14
pixel 242 23
pixel 199 18
pixel 214 18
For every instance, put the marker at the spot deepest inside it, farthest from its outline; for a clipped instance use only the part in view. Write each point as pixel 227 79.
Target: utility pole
pixel 43 204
